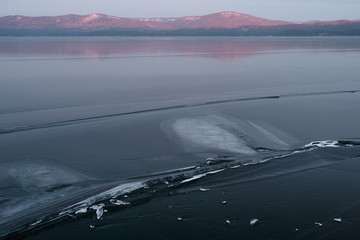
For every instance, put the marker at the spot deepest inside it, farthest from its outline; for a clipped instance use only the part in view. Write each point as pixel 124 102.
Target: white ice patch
pixel 118 202
pixel 208 135
pixel 236 166
pixel 40 184
pixel 39 177
pixel 114 192
pixel 82 210
pixel 196 177
pixel 125 188
pixel 63 213
pixel 339 220
pixel 326 143
pixel 254 221
pixel 99 210
pixel 269 135
pixel 215 171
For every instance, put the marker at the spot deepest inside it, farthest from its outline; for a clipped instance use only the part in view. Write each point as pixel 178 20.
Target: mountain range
pixel 223 23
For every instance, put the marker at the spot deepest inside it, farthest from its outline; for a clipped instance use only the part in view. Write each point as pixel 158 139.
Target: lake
pixel 179 137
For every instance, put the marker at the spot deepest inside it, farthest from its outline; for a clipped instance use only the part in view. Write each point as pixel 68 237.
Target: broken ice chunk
pixel 204 189
pixel 196 177
pixel 214 172
pixel 339 220
pixel 318 223
pixel 118 202
pixel 82 210
pixel 236 166
pixel 99 210
pixel 97 206
pixel 179 218
pixel 254 221
pixel 224 202
pixel 92 226
pixel 320 144
pixel 64 212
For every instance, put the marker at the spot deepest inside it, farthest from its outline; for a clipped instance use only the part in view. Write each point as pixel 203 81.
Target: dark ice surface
pixel 179 138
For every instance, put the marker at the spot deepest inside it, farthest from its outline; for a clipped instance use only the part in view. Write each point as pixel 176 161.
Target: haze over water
pixel 193 137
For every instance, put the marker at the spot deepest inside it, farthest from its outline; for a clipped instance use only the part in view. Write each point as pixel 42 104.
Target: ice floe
pixel 326 143
pixel 196 177
pixel 114 192
pixel 254 221
pixel 82 210
pixel 119 202
pixel 318 224
pixel 99 210
pixel 236 166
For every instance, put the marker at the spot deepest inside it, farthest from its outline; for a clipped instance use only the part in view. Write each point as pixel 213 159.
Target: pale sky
pixel 292 10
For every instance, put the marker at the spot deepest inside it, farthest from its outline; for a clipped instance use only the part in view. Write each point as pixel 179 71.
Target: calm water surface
pixel 183 138
pixel 69 78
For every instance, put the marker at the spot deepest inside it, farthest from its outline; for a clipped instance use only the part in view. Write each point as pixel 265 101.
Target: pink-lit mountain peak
pixel 231 15
pixel 227 19
pixel 98 22
pixel 94 21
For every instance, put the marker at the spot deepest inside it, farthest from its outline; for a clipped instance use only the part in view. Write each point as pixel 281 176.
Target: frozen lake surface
pixel 181 138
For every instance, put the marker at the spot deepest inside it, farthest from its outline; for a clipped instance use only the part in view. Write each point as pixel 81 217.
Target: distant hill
pixel 223 20
pixel 223 23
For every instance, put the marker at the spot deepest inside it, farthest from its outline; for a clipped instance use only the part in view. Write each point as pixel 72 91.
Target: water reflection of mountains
pixel 229 48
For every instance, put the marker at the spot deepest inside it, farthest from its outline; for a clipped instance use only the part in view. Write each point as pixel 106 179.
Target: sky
pixel 291 10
